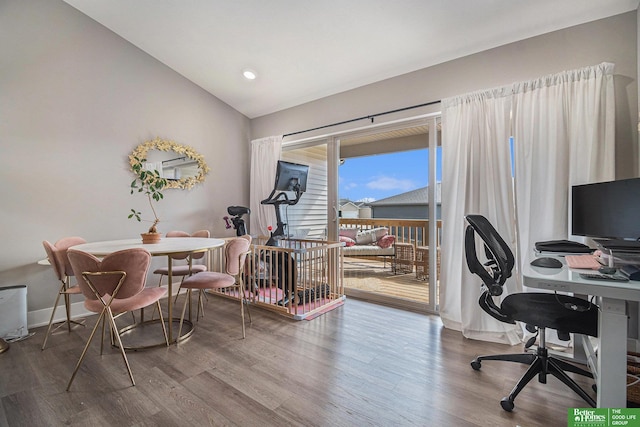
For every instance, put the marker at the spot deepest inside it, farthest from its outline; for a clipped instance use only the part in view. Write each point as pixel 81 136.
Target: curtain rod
pixel 371 117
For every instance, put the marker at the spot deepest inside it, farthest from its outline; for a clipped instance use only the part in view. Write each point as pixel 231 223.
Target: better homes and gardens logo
pixel 603 417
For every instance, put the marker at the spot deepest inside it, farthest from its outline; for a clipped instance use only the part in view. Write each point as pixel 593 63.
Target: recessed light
pixel 249 74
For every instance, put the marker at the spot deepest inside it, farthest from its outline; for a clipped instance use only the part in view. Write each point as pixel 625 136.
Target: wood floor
pixel 359 365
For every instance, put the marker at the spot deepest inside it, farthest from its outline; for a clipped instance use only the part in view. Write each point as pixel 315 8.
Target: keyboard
pixel 587 262
pixel 598 276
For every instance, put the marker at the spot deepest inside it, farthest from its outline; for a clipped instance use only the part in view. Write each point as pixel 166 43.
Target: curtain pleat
pixel 476 178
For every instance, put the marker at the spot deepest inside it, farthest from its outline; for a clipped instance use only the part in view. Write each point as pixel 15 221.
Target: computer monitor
pixel 289 175
pixel 608 210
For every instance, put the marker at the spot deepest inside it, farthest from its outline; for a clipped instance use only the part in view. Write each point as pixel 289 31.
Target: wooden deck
pixel 373 280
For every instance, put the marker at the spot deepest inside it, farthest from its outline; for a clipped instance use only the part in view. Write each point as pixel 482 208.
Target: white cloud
pixel 367 200
pixel 389 183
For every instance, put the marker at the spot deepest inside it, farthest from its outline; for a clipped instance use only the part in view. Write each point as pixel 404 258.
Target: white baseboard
pixel 39 318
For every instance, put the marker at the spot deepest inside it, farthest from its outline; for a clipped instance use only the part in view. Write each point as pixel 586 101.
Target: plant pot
pixel 148 238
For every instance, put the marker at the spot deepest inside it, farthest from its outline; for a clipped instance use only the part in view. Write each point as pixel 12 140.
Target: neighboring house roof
pixel 350 205
pixel 419 196
pixel 344 202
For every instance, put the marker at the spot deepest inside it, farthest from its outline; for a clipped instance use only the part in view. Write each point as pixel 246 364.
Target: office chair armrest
pixel 487 304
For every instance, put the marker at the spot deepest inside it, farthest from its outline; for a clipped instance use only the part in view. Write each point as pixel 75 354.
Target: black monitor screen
pixel 288 175
pixel 607 209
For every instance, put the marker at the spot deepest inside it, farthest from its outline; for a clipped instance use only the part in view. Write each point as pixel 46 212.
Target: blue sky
pixel 384 175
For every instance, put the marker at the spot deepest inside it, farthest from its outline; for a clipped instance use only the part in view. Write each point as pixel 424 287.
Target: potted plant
pixel 151 183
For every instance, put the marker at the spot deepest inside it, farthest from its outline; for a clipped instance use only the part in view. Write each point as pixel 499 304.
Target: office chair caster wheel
pixel 507 404
pixel 475 364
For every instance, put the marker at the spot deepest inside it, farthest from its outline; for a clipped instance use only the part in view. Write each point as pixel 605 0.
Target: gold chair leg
pixel 53 313
pixel 175 299
pixel 114 329
pixel 184 309
pixel 206 298
pixel 111 338
pixel 241 295
pixel 164 328
pixel 200 311
pixel 246 304
pixel 68 322
pixel 84 351
pixel 242 315
pixel 67 306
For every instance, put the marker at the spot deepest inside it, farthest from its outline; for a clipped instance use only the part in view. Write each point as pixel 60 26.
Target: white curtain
pixel 563 131
pixel 476 179
pixel 564 134
pixel 265 153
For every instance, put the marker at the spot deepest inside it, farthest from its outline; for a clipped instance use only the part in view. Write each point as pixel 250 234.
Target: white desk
pixel 611 365
pixel 167 247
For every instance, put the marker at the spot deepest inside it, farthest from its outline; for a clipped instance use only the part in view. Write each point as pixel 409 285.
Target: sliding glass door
pixel 390 182
pixel 316 216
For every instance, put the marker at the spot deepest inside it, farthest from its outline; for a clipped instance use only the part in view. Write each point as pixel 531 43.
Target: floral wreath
pixel 141 150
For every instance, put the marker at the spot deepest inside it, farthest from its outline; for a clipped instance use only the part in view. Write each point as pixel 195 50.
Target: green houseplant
pixel 151 183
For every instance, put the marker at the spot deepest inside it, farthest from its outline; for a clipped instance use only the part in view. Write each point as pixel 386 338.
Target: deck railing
pixel 414 231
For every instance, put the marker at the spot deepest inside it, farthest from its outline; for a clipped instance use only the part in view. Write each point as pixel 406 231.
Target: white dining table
pixel 165 247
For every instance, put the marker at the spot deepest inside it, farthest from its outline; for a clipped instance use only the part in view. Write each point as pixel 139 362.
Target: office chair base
pixel 540 364
pixel 524 358
pixel 507 404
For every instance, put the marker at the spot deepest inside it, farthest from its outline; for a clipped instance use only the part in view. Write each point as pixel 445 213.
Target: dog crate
pixel 299 278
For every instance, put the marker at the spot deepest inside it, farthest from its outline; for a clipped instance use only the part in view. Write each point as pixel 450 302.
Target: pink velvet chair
pixel 57 256
pixel 114 286
pixel 183 269
pixel 236 251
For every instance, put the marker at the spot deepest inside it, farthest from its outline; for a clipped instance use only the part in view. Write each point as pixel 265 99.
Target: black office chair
pixel 564 313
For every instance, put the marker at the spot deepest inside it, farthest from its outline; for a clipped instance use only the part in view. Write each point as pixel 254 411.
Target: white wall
pixel 75 100
pixel 611 39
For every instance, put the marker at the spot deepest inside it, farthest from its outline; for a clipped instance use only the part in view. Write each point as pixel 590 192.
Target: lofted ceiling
pixel 306 50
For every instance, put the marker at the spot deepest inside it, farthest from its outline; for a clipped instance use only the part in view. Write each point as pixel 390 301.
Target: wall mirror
pixel 181 165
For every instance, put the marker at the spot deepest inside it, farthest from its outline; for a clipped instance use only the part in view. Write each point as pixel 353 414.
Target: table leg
pixel 612 354
pixel 580 353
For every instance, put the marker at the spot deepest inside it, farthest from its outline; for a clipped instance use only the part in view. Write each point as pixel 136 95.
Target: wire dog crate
pixel 298 279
